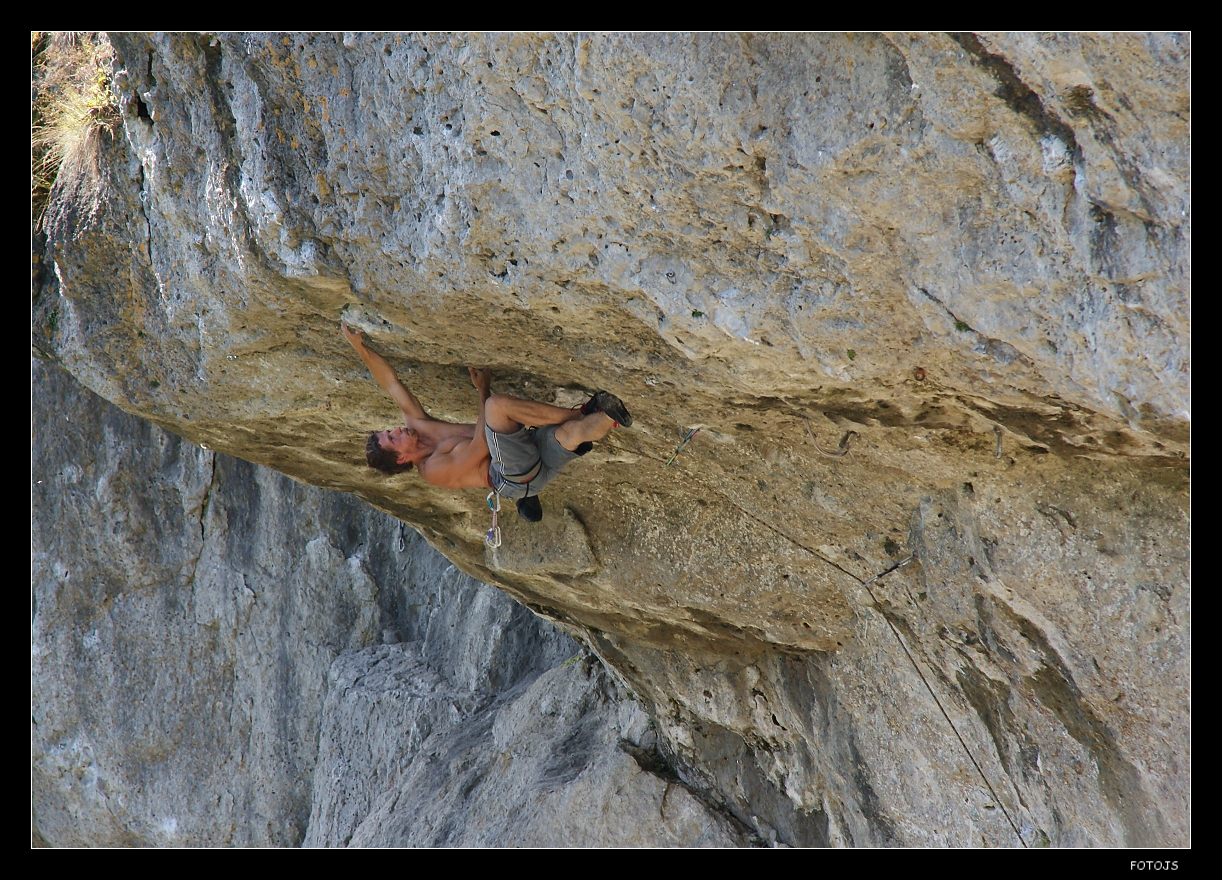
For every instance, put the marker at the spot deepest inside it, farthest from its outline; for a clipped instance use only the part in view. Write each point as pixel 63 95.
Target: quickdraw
pixel 841 450
pixel 690 434
pixel 493 536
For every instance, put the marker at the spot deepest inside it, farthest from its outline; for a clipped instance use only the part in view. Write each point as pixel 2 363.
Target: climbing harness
pixel 527 478
pixel 529 512
pixel 690 434
pixel 493 537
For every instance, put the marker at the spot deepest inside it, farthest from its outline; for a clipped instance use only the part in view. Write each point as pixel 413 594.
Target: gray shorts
pixel 515 457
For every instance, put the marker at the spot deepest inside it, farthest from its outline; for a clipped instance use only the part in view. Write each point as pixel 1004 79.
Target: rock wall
pixel 964 256
pixel 222 656
pixel 563 762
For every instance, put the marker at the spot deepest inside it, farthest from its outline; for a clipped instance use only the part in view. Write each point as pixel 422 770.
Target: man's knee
pixel 498 415
pixel 495 406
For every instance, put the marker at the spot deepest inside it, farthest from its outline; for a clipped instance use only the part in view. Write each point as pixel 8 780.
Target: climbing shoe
pixel 612 406
pixel 530 509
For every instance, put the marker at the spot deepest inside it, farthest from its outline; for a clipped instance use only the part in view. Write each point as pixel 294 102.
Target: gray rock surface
pixel 561 761
pixel 968 255
pixel 200 623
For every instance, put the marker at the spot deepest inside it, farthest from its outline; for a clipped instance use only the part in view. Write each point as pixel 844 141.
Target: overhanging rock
pixel 971 251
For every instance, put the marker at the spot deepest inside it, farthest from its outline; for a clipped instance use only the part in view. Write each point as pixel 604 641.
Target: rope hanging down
pixel 842 450
pixel 925 681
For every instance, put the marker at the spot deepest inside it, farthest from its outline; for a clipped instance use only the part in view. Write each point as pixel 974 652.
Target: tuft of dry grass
pixel 72 107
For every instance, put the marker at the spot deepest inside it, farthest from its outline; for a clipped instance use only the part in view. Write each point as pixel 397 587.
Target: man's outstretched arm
pixel 384 375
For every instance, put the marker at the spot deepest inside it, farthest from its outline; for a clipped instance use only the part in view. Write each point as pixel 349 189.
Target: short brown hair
pixel 384 460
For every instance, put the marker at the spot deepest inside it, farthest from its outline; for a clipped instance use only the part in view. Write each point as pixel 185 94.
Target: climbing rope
pixel 842 450
pixel 925 681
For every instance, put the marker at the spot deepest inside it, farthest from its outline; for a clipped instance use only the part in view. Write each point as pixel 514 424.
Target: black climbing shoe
pixel 530 509
pixel 608 403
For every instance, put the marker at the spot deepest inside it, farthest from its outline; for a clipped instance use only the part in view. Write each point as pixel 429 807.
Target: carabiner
pixel 493 536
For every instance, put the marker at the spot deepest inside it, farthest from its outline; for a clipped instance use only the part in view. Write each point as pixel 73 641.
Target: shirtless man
pixel 501 451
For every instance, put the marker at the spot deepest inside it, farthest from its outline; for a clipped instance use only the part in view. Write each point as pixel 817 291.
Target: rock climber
pixel 515 448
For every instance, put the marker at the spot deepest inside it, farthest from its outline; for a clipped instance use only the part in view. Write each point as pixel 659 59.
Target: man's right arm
pixel 385 376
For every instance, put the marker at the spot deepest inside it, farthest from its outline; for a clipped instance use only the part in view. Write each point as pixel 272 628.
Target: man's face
pixel 404 441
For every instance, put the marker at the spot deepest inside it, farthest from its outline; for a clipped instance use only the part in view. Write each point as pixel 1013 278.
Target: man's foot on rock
pixel 607 403
pixel 530 509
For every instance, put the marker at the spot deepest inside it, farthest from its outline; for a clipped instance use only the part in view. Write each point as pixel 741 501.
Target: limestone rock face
pixel 964 256
pixel 193 614
pixel 563 762
pixel 201 624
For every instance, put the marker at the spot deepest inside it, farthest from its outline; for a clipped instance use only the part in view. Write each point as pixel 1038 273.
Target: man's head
pixel 391 451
